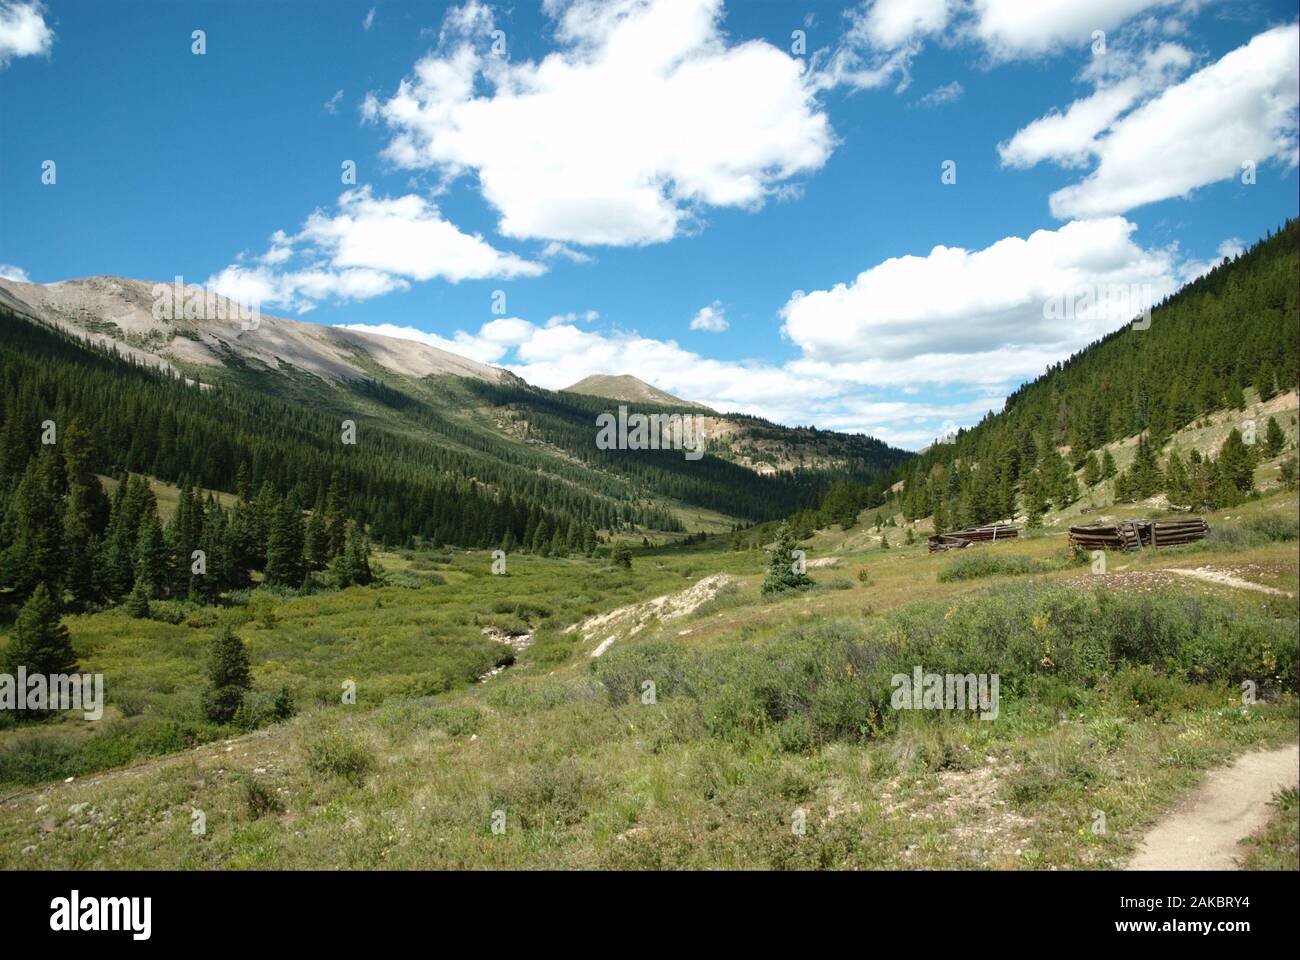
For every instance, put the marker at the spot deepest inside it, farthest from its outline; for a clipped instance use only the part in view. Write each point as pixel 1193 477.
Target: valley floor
pixel 710 732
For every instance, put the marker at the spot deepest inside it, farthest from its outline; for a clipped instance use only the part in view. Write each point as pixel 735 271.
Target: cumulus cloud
pixel 977 322
pixel 711 318
pixel 980 302
pixel 882 38
pixel 367 247
pixel 9 271
pixel 23 31
pixel 1012 29
pixel 1239 110
pixel 642 118
pixel 1071 138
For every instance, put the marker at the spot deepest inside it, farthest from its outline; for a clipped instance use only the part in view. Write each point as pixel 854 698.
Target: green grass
pixel 975 563
pixel 1277 845
pixel 1112 702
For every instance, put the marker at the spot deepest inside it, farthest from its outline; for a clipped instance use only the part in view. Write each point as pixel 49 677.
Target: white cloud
pixel 368 22
pixel 555 249
pixel 948 93
pixel 332 104
pixel 882 38
pixel 711 318
pixel 1241 109
pixel 368 247
pixel 588 316
pixel 1012 29
pixel 642 118
pixel 871 353
pixel 992 306
pixel 23 31
pixel 1122 79
pixel 1228 249
pixel 10 272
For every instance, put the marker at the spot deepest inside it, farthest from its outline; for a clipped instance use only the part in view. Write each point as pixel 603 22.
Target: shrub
pixel 972 564
pixel 336 755
pixel 260 799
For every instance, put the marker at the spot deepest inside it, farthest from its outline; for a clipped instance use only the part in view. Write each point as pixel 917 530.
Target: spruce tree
pixel 1274 438
pixel 782 573
pixel 622 555
pixel 1237 463
pixel 284 545
pixel 40 641
pixel 229 677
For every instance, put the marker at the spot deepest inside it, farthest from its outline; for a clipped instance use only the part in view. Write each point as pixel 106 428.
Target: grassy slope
pixel 413 782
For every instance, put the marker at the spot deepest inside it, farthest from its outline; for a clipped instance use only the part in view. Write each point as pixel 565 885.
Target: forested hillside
pixel 1233 330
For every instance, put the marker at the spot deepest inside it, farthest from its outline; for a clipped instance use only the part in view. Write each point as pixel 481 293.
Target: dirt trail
pixel 1210 575
pixel 1230 805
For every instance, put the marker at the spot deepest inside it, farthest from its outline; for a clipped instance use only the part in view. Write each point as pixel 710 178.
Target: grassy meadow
pixel 767 738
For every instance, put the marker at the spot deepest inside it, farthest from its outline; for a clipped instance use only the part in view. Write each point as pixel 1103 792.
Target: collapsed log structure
pixel 960 539
pixel 1135 534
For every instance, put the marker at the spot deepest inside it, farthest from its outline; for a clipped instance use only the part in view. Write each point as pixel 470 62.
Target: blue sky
pixel 677 189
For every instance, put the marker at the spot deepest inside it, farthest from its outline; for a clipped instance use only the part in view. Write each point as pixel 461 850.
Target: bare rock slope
pixel 120 312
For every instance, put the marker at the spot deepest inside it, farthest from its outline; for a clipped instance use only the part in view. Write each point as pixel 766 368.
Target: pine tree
pixel 35 554
pixel 1108 468
pixel 1274 438
pixel 137 601
pixel 151 558
pixel 622 555
pixel 229 677
pixel 40 641
pixel 1091 470
pixel 85 518
pixel 284 546
pixel 1237 463
pixel 782 572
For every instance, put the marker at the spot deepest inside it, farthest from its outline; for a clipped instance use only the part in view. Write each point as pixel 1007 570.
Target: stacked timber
pixel 960 539
pixel 1134 534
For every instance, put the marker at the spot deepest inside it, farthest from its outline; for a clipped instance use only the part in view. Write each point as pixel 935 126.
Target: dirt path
pixel 1230 805
pixel 1228 580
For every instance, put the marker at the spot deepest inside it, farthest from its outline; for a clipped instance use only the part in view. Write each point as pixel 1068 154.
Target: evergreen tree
pixel 34 530
pixel 1237 463
pixel 1091 470
pixel 85 518
pixel 1108 468
pixel 782 573
pixel 137 601
pixel 284 545
pixel 1274 438
pixel 622 555
pixel 40 641
pixel 229 677
pixel 1287 472
pixel 151 566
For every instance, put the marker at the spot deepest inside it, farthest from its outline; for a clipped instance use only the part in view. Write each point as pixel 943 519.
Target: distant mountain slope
pixel 627 388
pixel 1236 328
pixel 113 310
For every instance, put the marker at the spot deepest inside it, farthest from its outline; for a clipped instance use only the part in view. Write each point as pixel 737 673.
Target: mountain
pixel 446 449
pixel 629 389
pixel 1119 420
pixel 120 312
